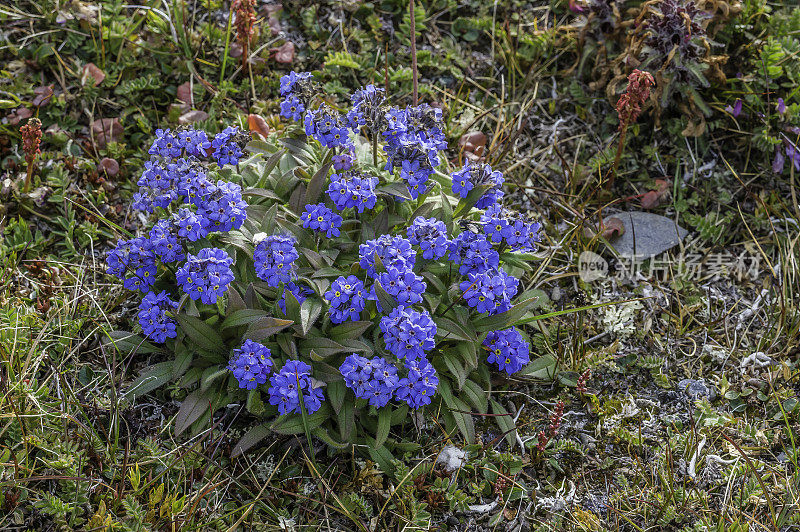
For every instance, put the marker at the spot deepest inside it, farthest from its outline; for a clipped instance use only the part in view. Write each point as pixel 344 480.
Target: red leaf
pixel 43 95
pixel 257 124
pixel 284 53
pixel 192 116
pixel 105 130
pixel 109 166
pixel 14 117
pixel 272 18
pixel 612 228
pixel 650 200
pixel 91 71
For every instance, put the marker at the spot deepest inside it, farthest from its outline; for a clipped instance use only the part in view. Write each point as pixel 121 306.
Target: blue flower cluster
pixel 500 225
pixel 479 175
pixel 325 125
pixel 206 276
pixel 351 190
pixel 347 298
pixel 296 90
pixel 419 386
pixel 491 291
pixel 408 334
pixel 368 109
pixel 251 364
pixel 134 261
pixel 386 251
pixel 274 258
pixel 430 235
pixel 414 137
pixel 292 383
pixel 405 286
pixel 320 218
pixel 507 349
pixel 373 379
pixel 153 318
pixel 178 172
pixel 473 253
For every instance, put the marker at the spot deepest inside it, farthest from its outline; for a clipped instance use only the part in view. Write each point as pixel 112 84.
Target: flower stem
pixel 620 145
pixel 413 52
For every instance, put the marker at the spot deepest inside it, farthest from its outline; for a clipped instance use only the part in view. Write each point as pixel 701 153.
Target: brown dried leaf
pixel 43 95
pixel 105 130
pixel 109 166
pixel 91 71
pixel 235 50
pixel 15 117
pixel 284 53
pixel 258 125
pixel 192 116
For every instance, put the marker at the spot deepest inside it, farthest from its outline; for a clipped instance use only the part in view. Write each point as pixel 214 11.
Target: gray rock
pixel 646 234
pixel 697 389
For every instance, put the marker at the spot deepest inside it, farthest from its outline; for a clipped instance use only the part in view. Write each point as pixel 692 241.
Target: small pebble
pixel 697 389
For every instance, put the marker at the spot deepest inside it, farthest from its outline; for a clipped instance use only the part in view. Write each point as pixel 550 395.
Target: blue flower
pixel 342 161
pixel 408 334
pixel 419 386
pixel 226 146
pixel 320 218
pixel 191 182
pixel 166 144
pixel 289 383
pixel 206 276
pixel 153 318
pixel 405 286
pixel 473 252
pixel 292 108
pixel 251 364
pixel 164 238
pixel 478 175
pixel 190 225
pixel 274 258
pixel 430 235
pixel 386 251
pixel 507 349
pixel 351 190
pixel 194 142
pixel 156 188
pixel 347 298
pixel 368 109
pixel 490 292
pixel 375 380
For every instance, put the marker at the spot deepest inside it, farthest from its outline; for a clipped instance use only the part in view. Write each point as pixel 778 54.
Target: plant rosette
pixel 330 288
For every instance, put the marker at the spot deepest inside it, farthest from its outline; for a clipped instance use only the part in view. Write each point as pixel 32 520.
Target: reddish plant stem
pixel 413 52
pixel 620 145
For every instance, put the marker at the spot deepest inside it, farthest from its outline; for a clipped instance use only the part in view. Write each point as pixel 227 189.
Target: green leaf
pixel 455 365
pixel 346 419
pixel 384 424
pixel 211 374
pixel 151 378
pixel 183 359
pixel 449 330
pixel 323 435
pixel 386 301
pixel 288 424
pixel 505 319
pixel 459 410
pixel 255 404
pixel 309 312
pixel 242 317
pixel 201 333
pixel 543 368
pixel 129 343
pixel 505 421
pixel 265 327
pixel 195 405
pixel 326 347
pixel 349 330
pixel 383 457
pixel 336 393
pixel 476 395
pixel 317 183
pixel 398 188
pixel 251 438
